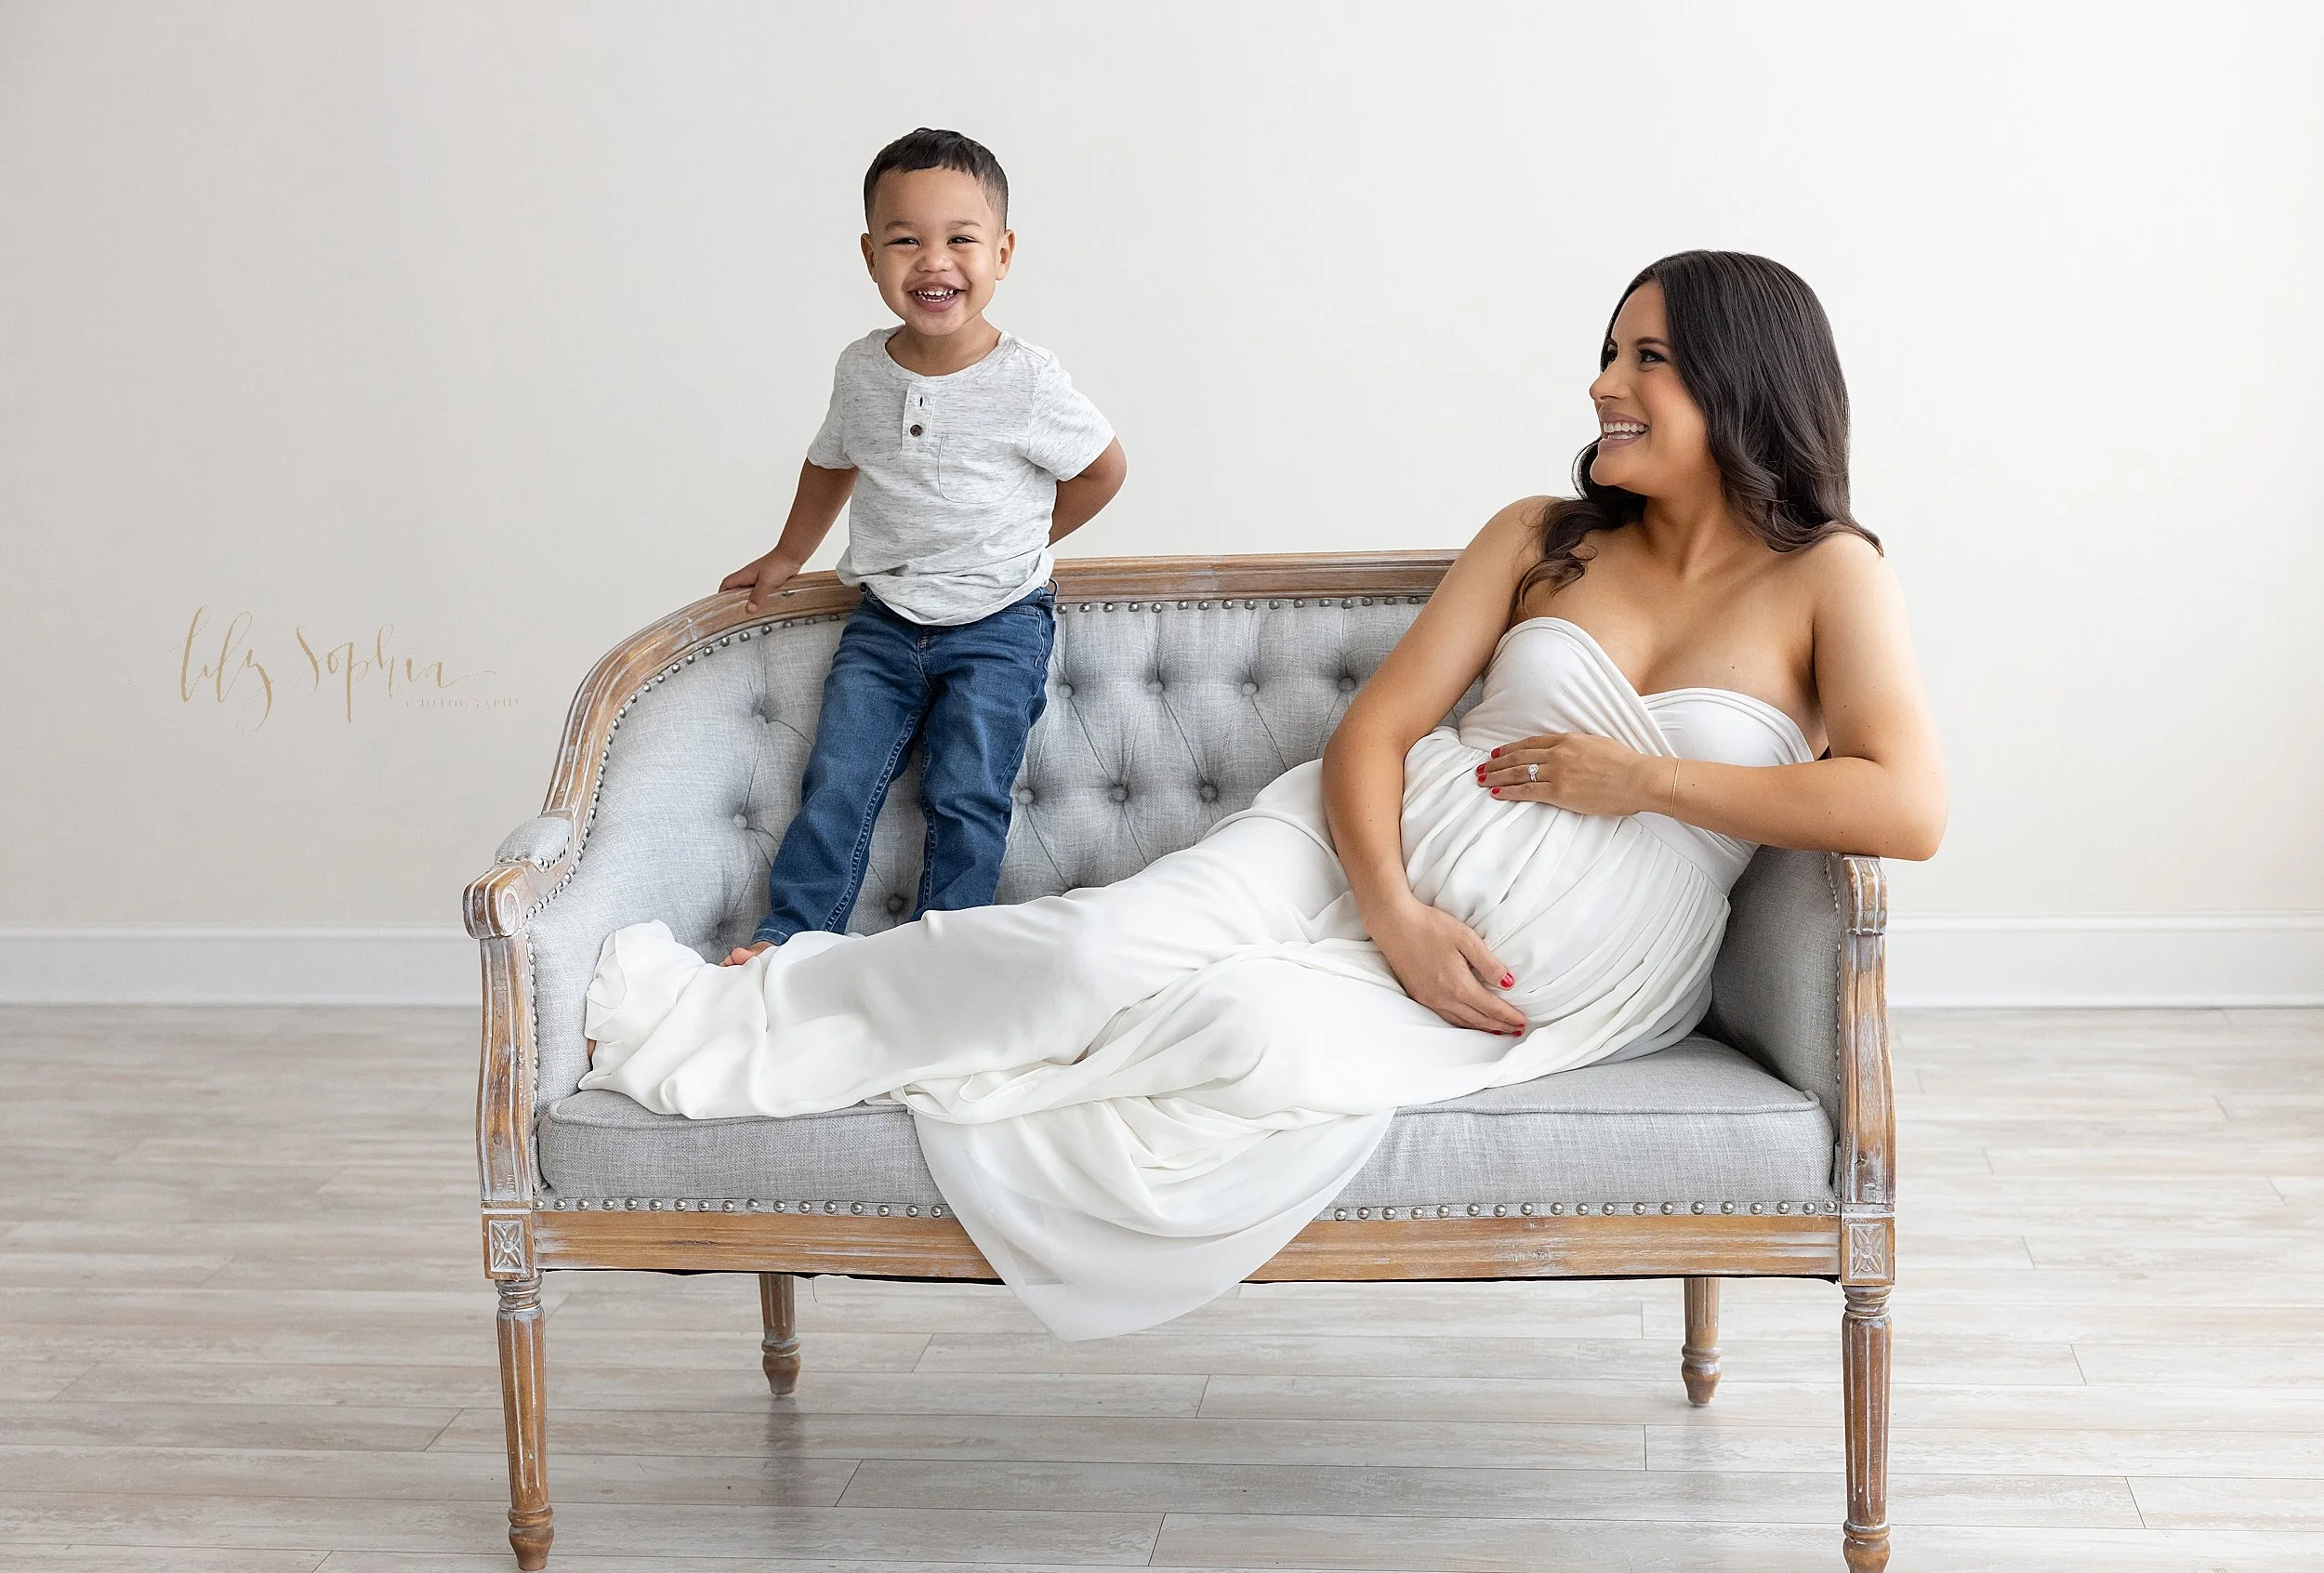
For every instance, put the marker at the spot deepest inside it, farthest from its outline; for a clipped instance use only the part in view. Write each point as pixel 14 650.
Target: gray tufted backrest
pixel 1163 717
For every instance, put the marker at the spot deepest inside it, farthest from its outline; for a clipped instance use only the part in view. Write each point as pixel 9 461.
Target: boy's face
pixel 936 248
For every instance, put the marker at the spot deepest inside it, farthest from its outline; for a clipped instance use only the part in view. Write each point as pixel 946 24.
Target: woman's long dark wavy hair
pixel 1753 347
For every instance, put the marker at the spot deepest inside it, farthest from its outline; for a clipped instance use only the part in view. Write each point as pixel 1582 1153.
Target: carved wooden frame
pixel 521 1239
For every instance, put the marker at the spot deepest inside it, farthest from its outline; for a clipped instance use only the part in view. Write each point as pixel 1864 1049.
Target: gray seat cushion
pixel 1698 1122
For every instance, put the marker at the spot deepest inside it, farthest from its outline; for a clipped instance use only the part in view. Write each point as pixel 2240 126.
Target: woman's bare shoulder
pixel 1847 589
pixel 1500 552
pixel 1843 563
pixel 1514 528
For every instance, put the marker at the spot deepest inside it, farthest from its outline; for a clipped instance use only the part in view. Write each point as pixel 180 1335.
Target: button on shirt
pixel 956 476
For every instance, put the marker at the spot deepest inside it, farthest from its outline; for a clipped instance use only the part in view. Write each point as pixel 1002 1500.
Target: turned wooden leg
pixel 1698 1357
pixel 778 1351
pixel 523 1403
pixel 1864 1381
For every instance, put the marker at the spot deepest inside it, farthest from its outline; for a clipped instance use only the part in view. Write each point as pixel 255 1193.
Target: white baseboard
pixel 1938 959
pixel 214 964
pixel 2151 960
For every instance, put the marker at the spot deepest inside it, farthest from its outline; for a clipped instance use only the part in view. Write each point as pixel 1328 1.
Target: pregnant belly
pixel 1571 903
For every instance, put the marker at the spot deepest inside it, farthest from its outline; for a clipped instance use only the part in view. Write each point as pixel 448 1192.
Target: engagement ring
pixel 1533 771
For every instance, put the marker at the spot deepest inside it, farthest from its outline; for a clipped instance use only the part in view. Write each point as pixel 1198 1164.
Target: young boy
pixel 967 455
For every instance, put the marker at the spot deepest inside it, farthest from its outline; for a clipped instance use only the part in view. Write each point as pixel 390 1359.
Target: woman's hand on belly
pixel 1577 771
pixel 1442 963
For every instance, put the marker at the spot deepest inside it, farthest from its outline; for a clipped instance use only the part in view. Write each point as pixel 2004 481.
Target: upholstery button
pixel 1207 792
pixel 1022 795
pixel 741 820
pixel 1118 793
pixel 1154 685
pixel 1064 691
pixel 1249 688
pixel 916 431
pixel 895 906
pixel 1347 685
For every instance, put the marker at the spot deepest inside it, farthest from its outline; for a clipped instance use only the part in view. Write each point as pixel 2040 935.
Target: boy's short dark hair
pixel 929 148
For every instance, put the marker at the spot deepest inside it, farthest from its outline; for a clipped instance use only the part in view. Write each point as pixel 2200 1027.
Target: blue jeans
pixel 972 692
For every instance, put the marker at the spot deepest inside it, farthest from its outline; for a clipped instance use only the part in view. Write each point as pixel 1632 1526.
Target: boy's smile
pixel 936 250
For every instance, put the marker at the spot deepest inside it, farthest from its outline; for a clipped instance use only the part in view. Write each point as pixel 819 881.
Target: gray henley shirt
pixel 955 475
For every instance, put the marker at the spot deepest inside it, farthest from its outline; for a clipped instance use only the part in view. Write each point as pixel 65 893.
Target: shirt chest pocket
pixel 978 469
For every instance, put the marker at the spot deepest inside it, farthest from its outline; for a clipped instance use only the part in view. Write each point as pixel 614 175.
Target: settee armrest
pixel 1865 1162
pixel 1801 985
pixel 541 841
pixel 531 864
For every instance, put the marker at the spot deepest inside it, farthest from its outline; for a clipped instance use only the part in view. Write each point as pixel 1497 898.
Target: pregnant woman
pixel 1134 1095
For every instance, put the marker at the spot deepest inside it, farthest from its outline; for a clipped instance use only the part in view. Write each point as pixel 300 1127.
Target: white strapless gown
pixel 1134 1094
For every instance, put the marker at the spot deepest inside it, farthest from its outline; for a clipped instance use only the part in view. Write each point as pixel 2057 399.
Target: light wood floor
pixel 243 1327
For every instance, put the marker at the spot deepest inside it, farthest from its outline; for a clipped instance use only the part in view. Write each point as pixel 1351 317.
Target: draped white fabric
pixel 1134 1095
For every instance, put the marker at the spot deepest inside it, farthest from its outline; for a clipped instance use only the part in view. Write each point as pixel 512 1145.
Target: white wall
pixel 505 325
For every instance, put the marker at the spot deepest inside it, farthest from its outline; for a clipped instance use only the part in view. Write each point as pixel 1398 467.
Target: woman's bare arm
pixel 1882 789
pixel 1439 960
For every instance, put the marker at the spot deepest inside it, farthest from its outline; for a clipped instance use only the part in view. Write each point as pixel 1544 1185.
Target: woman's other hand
pixel 1442 963
pixel 1575 769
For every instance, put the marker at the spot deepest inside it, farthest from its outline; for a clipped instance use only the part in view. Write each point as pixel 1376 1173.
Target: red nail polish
pixel 1496 753
pixel 1508 980
pixel 1497 791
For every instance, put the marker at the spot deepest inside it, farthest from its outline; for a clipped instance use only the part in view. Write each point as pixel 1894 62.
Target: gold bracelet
pixel 1674 788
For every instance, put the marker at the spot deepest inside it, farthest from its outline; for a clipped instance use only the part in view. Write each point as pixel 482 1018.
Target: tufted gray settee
pixel 1761 1145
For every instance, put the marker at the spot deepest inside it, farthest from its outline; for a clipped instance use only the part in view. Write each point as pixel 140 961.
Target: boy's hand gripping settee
pixel 1760 1146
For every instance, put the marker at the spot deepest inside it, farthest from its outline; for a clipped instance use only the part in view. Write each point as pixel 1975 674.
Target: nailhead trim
pixel 1386 1214
pixel 731 1204
pixel 1584 1210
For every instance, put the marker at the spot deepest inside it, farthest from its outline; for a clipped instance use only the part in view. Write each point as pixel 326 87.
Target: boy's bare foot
pixel 743 953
